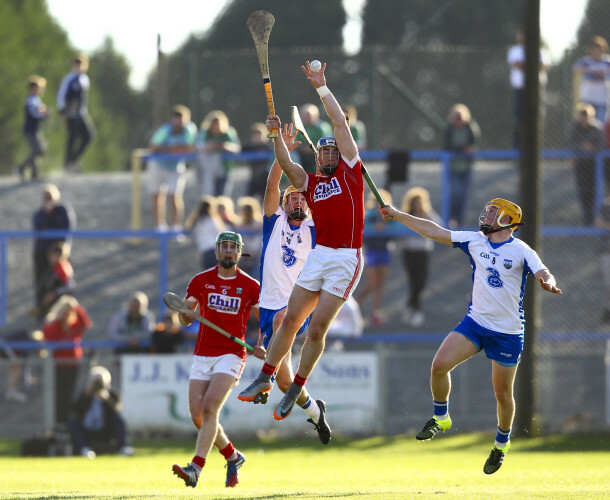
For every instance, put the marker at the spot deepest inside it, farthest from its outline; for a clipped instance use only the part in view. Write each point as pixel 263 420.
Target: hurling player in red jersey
pixel 335 196
pixel 225 296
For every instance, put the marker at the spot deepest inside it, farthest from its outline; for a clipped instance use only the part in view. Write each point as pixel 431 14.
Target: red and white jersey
pixel 337 205
pixel 226 302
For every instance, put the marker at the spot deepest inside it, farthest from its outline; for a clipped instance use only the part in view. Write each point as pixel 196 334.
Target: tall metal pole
pixel 530 184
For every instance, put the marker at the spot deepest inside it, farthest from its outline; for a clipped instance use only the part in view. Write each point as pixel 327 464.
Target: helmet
pixel 231 237
pixel 504 207
pixel 330 168
pixel 299 212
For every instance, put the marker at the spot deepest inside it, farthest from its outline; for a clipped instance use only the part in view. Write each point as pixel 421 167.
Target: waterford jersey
pixel 285 250
pixel 337 205
pixel 226 302
pixel 499 273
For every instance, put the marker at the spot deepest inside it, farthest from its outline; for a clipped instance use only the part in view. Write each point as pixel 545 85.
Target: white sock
pixel 233 457
pixel 312 409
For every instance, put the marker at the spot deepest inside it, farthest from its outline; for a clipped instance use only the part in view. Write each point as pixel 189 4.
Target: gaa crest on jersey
pixel 288 257
pixel 224 303
pixel 239 290
pixel 325 190
pixel 508 263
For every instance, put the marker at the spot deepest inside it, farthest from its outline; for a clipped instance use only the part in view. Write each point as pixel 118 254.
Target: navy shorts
pixel 504 348
pixel 376 258
pixel 266 324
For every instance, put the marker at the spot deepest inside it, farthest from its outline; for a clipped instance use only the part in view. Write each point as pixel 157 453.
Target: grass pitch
pixel 375 468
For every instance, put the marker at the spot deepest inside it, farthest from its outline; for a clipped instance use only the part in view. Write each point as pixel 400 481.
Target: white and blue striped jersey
pixel 285 250
pixel 499 273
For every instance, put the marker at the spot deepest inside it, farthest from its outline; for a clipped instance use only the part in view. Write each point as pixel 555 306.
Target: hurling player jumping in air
pixel 494 322
pixel 288 237
pixel 225 296
pixel 335 196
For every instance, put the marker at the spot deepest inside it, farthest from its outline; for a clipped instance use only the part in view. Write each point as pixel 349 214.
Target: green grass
pixel 376 468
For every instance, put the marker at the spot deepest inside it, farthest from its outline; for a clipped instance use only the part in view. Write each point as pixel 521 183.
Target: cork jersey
pixel 226 302
pixel 337 205
pixel 499 273
pixel 285 250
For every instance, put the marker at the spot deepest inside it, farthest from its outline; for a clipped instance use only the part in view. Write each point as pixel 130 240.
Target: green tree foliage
pixel 450 22
pixel 596 22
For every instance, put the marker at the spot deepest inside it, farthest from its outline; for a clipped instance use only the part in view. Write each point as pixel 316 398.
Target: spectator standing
pixel 52 215
pixel 204 224
pixel 251 228
pixel 67 321
pixel 378 249
pixel 258 143
pixel 586 138
pixel 72 104
pixel 167 179
pixel 35 113
pixel 168 334
pixel 460 138
pixel 516 62
pixel 415 253
pixel 57 281
pixel 96 417
pixel 216 137
pixel 593 73
pixel 132 325
pixel 316 128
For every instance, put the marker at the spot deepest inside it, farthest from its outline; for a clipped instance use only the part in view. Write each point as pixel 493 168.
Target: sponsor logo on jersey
pixel 325 190
pixel 493 279
pixel 223 303
pixel 288 257
pixel 508 263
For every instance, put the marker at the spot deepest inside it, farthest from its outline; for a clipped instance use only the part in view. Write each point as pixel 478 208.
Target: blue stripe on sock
pixel 503 436
pixel 441 407
pixel 306 405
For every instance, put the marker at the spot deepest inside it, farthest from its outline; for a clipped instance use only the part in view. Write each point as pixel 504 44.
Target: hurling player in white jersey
pixel 335 196
pixel 494 322
pixel 288 237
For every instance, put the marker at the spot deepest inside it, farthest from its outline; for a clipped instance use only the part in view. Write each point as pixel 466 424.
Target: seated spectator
pixel 57 280
pixel 168 334
pixel 16 372
pixel 96 418
pixel 67 321
pixel 226 211
pixel 204 224
pixel 132 325
pixel 357 127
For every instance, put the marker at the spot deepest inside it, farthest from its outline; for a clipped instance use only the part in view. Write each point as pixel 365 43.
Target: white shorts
pixel 335 270
pixel 161 179
pixel 204 367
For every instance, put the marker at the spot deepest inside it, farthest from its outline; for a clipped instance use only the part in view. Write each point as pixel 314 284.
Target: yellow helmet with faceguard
pixel 299 212
pixel 503 208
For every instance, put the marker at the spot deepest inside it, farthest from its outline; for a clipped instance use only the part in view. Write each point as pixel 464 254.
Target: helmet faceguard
pixel 493 213
pixel 294 204
pixel 228 243
pixel 328 156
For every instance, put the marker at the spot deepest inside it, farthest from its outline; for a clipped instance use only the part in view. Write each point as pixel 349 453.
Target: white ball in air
pixel 315 65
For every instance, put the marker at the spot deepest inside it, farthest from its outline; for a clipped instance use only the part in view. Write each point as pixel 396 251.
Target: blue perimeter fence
pixel 376 156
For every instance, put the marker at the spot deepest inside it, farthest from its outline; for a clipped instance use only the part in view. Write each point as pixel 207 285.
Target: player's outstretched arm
pixel 345 141
pixel 547 281
pixel 293 170
pixel 425 227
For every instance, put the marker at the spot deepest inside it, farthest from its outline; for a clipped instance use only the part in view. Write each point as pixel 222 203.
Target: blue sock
pixel 502 437
pixel 441 408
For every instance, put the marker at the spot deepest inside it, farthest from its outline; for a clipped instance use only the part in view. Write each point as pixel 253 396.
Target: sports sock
pixel 441 409
pixel 502 437
pixel 228 451
pixel 198 463
pixel 312 409
pixel 268 369
pixel 298 380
